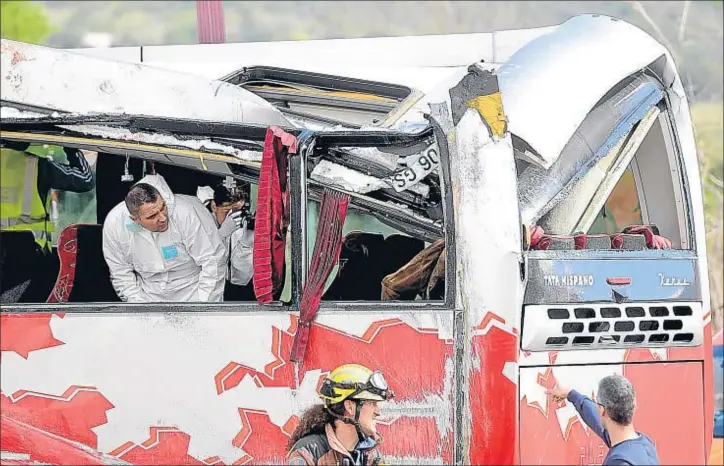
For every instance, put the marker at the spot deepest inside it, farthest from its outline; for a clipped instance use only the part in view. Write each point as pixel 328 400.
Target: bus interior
pixel 584 201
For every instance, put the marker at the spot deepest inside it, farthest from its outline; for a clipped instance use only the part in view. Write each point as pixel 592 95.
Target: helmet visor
pixel 375 386
pixel 377 380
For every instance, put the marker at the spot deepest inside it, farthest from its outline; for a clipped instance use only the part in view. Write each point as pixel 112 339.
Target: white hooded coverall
pixel 238 241
pixel 187 262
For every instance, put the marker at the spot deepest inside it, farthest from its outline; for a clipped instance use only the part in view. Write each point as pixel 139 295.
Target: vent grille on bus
pixel 596 326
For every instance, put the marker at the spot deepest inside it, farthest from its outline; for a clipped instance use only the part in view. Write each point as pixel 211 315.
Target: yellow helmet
pixel 354 382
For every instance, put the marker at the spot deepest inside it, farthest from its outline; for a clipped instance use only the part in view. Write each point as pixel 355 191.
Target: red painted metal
pixel 210 20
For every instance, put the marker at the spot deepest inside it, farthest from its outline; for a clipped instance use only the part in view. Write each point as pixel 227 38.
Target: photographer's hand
pixel 231 224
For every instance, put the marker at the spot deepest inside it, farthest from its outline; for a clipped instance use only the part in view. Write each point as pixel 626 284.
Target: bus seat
pixel 555 242
pixel 19 257
pixel 629 242
pixel 84 275
pixel 365 259
pixel 632 238
pixel 595 242
pixel 401 250
pixel 651 234
pixel 67 254
pixel 422 276
pixel 356 279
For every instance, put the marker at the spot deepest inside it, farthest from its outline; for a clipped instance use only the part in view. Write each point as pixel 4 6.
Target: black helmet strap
pixel 355 421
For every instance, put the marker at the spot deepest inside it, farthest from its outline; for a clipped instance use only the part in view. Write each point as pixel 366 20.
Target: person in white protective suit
pixel 162 247
pixel 229 206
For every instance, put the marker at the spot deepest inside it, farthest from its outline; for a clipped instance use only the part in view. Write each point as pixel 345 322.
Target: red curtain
pixel 327 247
pixel 272 214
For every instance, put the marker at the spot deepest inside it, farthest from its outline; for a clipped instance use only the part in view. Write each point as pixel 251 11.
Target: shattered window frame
pixel 240 171
pixel 677 180
pixel 448 231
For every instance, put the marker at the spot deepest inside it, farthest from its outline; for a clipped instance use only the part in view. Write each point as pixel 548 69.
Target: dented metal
pixel 547 92
pixel 467 408
pixel 64 81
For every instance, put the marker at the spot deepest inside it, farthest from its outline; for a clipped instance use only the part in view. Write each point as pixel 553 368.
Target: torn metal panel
pixel 410 460
pixel 432 405
pixel 332 174
pixel 11 112
pixel 605 126
pixel 124 134
pixel 416 169
pixel 59 80
pixel 374 155
pixel 478 92
pixel 329 173
pixel 552 82
pixel 411 211
pixel 579 209
pixel 487 231
pixel 487 222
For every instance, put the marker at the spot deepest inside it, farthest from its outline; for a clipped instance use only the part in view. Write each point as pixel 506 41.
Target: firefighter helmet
pixel 354 382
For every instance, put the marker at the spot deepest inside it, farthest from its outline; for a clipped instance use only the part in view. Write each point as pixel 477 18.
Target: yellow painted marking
pixel 490 108
pixel 348 95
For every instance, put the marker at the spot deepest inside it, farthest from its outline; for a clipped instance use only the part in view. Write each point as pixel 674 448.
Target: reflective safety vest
pixel 21 208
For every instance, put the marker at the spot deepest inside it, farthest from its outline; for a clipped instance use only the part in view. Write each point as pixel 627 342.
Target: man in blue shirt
pixel 611 418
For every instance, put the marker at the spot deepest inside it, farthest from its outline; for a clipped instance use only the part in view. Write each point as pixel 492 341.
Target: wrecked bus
pixel 523 156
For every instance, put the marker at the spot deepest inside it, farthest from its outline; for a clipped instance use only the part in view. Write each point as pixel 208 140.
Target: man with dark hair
pixel 163 247
pixel 611 418
pixel 229 206
pixel 147 207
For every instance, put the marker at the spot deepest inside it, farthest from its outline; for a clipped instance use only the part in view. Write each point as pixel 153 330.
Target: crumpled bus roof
pixel 550 80
pixel 58 80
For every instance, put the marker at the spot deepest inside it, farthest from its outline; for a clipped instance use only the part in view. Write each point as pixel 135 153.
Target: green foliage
pixel 708 123
pixel 24 21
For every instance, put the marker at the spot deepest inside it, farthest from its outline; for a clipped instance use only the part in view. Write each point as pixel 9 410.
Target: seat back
pixel 67 253
pixel 365 259
pixel 633 238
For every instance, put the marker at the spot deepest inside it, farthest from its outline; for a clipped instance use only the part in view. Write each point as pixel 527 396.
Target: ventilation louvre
pixel 682 311
pixel 572 327
pixel 634 339
pixel 610 312
pixel 648 325
pixel 584 313
pixel 635 312
pixel 659 311
pixel 624 326
pixel 558 313
pixel 591 326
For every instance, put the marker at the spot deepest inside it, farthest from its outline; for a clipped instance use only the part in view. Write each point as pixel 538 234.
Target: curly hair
pixel 313 421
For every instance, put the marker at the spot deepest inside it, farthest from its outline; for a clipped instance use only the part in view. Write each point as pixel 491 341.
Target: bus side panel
pixel 553 433
pixel 185 388
pixel 493 389
pixel 703 353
